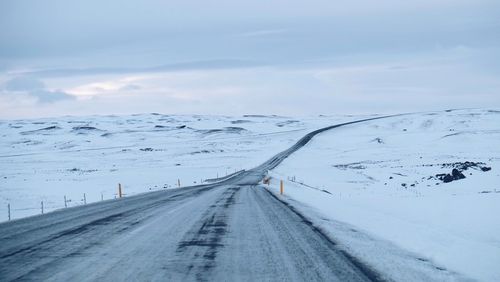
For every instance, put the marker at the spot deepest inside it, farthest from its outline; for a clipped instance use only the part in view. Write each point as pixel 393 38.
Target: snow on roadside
pixel 384 178
pixel 47 159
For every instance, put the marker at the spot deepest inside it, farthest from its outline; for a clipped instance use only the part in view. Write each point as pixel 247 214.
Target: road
pixel 230 230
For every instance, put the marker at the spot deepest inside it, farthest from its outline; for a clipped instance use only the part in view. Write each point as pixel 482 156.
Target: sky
pixel 224 57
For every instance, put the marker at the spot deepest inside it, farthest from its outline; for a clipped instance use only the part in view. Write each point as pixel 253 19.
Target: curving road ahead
pixel 232 230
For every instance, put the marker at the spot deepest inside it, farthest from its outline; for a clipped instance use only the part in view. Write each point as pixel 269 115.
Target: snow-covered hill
pixel 47 159
pixel 429 183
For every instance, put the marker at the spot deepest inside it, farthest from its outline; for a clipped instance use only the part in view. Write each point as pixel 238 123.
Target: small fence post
pixel 119 190
pixel 65 202
pixel 42 206
pixel 281 187
pixel 8 210
pixel 102 197
pixel 179 183
pixel 84 199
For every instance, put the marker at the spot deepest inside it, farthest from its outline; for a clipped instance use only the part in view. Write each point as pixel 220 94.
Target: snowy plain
pixel 382 178
pixel 48 159
pixel 374 186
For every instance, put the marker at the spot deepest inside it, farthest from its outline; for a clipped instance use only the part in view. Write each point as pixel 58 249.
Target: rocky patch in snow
pixel 457 170
pixel 447 177
pixel 44 130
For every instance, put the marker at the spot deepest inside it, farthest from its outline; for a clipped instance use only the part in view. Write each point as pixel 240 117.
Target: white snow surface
pixel 47 159
pixel 355 175
pixel 341 179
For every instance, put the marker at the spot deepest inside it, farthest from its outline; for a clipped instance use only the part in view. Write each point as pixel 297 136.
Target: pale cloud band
pixel 283 57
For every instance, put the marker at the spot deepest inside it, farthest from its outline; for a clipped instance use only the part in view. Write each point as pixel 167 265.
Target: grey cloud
pixel 68 39
pixel 47 96
pixel 162 32
pixel 35 88
pixel 24 83
pixel 189 65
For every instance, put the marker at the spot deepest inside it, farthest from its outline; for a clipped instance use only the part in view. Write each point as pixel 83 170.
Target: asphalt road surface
pixel 233 230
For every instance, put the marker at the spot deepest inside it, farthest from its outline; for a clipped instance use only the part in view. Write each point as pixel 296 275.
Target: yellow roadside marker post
pixel 119 190
pixel 281 187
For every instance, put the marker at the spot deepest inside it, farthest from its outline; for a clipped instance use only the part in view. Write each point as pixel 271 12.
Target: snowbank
pixel 381 177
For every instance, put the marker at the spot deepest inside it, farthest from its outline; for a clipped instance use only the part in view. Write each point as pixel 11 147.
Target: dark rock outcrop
pixel 455 175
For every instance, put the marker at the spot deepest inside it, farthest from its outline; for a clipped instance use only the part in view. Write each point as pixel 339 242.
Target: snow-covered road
pixel 227 233
pixel 231 230
pixel 204 233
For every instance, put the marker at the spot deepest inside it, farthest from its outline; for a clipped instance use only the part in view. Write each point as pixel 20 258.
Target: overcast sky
pixel 60 57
